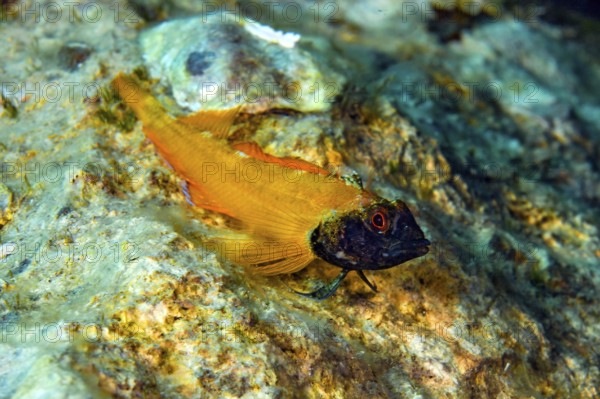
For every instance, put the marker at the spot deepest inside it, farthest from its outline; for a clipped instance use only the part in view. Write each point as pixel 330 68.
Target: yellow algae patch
pixel 552 226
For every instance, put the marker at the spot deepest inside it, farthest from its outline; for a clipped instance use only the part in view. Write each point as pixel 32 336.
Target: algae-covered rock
pixel 218 62
pixel 107 288
pixel 6 202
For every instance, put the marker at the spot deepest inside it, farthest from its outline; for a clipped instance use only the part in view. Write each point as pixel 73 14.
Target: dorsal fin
pixel 252 149
pixel 218 122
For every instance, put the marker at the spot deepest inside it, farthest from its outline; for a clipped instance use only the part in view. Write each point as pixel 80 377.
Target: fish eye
pixel 380 221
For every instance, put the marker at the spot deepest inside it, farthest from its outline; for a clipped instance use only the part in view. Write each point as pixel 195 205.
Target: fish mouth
pixel 414 248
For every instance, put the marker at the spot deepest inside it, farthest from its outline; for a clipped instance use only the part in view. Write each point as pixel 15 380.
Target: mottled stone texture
pixel 485 124
pixel 216 62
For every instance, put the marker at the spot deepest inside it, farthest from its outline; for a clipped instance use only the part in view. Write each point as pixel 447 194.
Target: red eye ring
pixel 380 221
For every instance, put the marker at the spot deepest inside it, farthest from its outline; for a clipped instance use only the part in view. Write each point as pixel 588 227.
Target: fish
pixel 288 212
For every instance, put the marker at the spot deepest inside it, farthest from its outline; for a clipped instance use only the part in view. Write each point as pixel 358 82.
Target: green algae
pixel 112 110
pixel 9 109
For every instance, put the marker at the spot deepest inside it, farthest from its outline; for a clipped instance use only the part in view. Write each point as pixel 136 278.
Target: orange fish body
pixel 281 203
pixel 276 202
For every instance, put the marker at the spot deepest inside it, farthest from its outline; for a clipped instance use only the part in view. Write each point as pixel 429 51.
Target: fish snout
pixel 410 249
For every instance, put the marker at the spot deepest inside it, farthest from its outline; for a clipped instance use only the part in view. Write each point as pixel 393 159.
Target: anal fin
pixel 263 257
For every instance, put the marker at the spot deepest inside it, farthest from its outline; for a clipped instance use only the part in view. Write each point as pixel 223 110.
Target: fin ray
pixel 200 198
pixel 264 257
pixel 218 122
pixel 252 149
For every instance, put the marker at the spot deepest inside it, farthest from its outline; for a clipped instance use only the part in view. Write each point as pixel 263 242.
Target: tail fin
pixel 146 107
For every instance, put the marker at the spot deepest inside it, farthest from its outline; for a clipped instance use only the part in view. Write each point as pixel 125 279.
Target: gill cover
pixel 380 236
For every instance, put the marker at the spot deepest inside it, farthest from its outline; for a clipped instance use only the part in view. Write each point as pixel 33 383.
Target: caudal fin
pixel 146 107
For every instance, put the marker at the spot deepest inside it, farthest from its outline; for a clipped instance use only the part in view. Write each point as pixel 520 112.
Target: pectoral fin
pixel 327 290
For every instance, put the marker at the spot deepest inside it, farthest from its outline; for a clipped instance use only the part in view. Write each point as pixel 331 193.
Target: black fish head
pixel 380 236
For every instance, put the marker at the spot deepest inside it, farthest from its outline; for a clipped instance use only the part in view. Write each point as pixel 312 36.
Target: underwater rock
pixel 213 62
pixel 6 199
pixel 107 288
pixel 7 107
pixel 73 54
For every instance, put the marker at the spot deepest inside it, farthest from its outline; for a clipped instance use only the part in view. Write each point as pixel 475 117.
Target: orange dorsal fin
pixel 252 149
pixel 218 122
